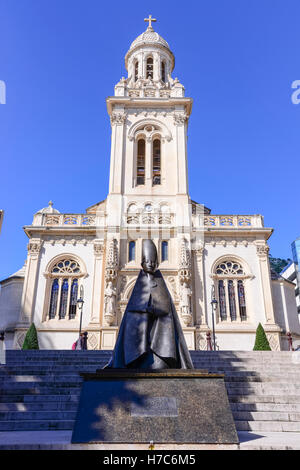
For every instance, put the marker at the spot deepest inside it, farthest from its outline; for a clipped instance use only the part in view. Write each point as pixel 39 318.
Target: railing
pixel 149 219
pixel 137 219
pixel 50 220
pixel 238 221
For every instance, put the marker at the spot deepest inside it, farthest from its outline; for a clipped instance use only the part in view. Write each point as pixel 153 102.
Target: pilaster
pixel 28 298
pixel 262 250
pixel 97 294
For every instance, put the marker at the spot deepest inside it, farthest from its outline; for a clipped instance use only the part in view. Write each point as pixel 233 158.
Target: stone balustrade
pixel 50 220
pixel 160 218
pixel 237 221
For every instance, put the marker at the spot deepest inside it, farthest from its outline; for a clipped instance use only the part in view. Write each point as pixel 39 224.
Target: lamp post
pixel 80 303
pixel 214 304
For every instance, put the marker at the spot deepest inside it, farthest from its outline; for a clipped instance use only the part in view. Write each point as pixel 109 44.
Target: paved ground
pixel 61 440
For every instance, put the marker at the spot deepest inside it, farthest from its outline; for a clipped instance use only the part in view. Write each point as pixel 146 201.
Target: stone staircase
pixel 39 390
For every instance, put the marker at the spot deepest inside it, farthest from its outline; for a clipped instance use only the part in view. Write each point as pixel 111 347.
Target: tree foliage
pixel 277 264
pixel 261 340
pixel 31 338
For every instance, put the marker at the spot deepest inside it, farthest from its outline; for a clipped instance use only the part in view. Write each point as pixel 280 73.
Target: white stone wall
pixel 48 253
pixel 285 308
pixel 253 286
pixel 10 303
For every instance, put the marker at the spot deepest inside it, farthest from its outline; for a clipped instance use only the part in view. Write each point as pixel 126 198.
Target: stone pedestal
pixel 167 406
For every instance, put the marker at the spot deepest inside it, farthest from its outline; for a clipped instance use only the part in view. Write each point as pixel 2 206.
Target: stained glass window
pixel 231 296
pixel 222 301
pixel 141 162
pixel 242 300
pixel 53 299
pixel 73 299
pixel 64 299
pixel 232 301
pixel 131 251
pixel 164 251
pixel 156 161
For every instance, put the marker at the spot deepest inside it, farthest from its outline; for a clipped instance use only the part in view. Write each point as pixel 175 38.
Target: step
pixel 38 425
pixel 285 407
pixel 40 391
pixel 40 406
pixel 37 415
pixel 268 426
pixel 266 416
pixel 41 379
pixel 252 399
pixel 66 398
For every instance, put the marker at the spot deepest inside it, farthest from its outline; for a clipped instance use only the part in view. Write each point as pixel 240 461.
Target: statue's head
pixel 149 256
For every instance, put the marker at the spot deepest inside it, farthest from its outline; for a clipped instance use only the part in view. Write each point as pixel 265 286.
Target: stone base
pixel 167 406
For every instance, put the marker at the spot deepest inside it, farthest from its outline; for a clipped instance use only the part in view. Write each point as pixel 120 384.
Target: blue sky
pixel 237 60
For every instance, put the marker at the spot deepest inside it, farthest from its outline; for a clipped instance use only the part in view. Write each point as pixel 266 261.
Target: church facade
pixel 97 255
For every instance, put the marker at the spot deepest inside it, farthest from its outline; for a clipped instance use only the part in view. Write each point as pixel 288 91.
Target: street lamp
pixel 214 304
pixel 80 303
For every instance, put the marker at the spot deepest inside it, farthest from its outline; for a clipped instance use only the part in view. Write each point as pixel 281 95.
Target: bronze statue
pixel 150 335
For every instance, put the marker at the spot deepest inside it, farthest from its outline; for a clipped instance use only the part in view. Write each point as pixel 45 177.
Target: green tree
pixel 31 339
pixel 261 340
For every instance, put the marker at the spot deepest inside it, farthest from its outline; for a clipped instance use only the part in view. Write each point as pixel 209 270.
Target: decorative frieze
pixel 68 239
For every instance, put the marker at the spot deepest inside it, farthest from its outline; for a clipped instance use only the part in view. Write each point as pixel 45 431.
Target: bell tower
pixel 149 117
pixel 148 185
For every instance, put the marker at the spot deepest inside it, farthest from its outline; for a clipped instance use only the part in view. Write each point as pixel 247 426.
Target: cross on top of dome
pixel 150 19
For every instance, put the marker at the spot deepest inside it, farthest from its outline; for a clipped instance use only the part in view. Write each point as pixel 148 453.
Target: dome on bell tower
pixel 149 37
pixel 147 42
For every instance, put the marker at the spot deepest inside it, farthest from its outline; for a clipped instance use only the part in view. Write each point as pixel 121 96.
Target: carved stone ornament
pixel 112 260
pixel 262 250
pixel 118 118
pixel 185 304
pixel 34 247
pixel 98 249
pixel 110 304
pixel 184 262
pixel 180 119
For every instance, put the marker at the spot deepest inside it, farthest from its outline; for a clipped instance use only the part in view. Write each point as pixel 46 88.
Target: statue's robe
pixel 150 335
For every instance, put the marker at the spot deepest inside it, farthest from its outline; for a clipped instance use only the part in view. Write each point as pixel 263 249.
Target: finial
pixel 50 203
pixel 150 19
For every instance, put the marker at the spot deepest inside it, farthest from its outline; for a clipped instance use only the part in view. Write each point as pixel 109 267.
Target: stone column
pixel 263 257
pixel 201 314
pixel 97 293
pixel 148 163
pixel 180 120
pixel 117 120
pixel 29 290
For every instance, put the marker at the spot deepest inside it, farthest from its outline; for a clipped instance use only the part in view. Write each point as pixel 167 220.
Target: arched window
pixel 164 251
pixel 156 162
pixel 63 299
pixel 140 173
pixel 136 71
pixel 73 299
pixel 131 251
pixel 53 299
pixel 163 72
pixel 149 71
pixel 230 277
pixel 63 278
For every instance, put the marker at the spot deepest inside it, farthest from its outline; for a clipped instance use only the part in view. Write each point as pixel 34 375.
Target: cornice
pixel 149 102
